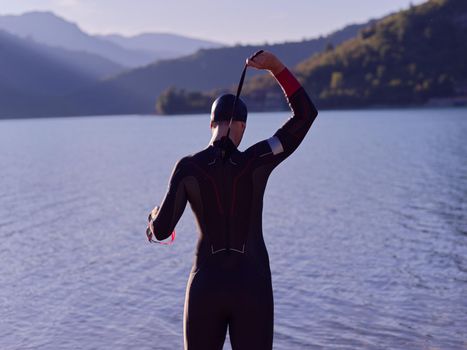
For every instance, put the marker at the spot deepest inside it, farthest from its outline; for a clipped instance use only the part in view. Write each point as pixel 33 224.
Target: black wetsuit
pixel 230 282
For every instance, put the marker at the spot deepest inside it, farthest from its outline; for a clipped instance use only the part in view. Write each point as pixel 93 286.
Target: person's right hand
pixel 267 61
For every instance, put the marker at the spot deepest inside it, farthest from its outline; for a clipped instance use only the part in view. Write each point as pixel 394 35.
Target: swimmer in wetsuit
pixel 230 282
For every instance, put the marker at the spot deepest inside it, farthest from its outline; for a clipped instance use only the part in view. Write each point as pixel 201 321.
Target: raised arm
pixel 163 220
pixel 286 140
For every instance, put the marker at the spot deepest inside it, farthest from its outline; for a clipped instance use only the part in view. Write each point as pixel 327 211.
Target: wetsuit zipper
pixel 227 228
pixel 224 190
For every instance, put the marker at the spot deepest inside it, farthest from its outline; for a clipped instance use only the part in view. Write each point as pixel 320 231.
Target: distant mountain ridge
pixel 31 74
pixel 35 68
pixel 165 45
pixel 48 28
pixel 44 59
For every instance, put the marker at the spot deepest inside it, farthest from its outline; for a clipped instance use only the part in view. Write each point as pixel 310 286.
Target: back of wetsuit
pixel 230 281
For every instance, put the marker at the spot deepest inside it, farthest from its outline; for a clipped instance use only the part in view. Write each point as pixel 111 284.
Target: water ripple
pixel 368 243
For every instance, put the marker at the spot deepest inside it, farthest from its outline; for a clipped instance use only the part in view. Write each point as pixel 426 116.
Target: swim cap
pixel 222 107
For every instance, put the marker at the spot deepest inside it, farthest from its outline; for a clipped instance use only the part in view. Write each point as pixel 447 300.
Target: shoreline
pixel 427 106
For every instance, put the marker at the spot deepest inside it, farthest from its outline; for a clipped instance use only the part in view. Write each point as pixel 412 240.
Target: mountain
pixel 30 74
pixel 136 91
pixel 133 51
pixel 38 69
pixel 408 58
pixel 164 45
pixel 47 28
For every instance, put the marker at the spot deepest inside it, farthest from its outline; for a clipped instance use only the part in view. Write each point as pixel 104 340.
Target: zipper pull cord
pixel 239 91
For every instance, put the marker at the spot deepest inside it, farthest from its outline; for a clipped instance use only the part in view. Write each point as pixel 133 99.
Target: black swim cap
pixel 222 107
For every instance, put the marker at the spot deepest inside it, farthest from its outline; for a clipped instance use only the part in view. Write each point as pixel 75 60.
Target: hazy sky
pixel 241 21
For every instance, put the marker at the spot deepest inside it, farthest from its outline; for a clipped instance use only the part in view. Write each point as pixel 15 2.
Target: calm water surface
pixel 366 227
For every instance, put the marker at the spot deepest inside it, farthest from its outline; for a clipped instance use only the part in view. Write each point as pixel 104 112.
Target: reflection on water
pixel 366 226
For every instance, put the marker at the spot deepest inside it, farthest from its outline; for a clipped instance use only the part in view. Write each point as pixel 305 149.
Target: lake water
pixel 366 227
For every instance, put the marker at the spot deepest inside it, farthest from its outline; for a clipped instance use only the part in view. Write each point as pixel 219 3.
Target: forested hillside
pixel 405 59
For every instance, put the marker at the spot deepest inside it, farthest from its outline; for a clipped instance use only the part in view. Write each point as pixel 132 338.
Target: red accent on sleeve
pixel 288 82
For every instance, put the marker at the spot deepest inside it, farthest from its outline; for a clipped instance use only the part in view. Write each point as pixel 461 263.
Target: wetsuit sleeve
pixel 172 206
pixel 286 140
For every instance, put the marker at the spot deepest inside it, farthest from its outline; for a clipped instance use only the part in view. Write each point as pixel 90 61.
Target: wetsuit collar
pixel 225 144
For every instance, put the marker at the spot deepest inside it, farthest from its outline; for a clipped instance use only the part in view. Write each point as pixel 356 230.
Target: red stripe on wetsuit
pixel 288 82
